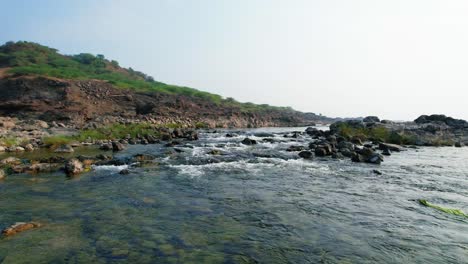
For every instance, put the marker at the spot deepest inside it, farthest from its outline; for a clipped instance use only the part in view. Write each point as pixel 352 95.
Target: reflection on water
pixel 243 207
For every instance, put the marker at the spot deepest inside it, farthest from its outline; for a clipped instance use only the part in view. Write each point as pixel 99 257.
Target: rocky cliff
pixel 89 103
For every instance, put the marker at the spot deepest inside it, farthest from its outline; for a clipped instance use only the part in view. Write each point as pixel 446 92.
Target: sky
pixel 342 58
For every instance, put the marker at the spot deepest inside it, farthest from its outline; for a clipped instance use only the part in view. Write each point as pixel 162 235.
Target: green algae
pixel 456 212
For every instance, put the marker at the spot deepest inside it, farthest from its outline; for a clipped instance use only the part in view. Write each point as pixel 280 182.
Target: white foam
pixel 110 167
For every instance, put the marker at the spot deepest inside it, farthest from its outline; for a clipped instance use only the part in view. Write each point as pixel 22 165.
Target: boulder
pixel 320 152
pixel 247 141
pixel 459 144
pixel 65 148
pixel 74 167
pixel 367 155
pixel 29 147
pixel 2 174
pixel 391 147
pixel 124 172
pixel 10 161
pixel 20 227
pixel 371 119
pixel 8 124
pixel 117 146
pixel 106 147
pixel 386 152
pixel 306 154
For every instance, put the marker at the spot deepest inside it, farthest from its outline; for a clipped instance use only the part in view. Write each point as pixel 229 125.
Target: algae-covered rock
pixel 457 212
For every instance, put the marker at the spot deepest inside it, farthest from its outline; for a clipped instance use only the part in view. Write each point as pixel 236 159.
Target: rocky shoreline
pixel 341 141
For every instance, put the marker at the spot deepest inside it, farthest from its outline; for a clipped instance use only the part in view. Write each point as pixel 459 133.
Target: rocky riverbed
pixel 237 196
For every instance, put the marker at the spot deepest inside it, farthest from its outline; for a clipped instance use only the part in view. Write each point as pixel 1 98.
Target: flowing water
pixel 251 204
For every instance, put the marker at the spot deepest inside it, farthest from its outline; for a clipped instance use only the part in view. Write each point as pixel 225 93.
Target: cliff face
pixel 96 102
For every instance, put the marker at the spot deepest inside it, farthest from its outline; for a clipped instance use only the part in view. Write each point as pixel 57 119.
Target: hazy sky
pixel 393 58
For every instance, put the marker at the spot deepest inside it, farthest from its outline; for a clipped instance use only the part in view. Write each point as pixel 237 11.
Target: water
pixel 271 207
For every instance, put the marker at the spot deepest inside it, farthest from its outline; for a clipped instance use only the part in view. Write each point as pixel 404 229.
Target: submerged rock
pixel 65 148
pixel 20 227
pixel 377 172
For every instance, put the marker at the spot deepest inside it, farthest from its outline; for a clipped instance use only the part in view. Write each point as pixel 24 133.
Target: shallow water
pixel 271 207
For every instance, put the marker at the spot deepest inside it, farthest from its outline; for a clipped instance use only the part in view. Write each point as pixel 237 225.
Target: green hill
pixel 26 58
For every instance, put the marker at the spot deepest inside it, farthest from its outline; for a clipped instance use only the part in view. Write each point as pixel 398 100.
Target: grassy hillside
pixel 32 58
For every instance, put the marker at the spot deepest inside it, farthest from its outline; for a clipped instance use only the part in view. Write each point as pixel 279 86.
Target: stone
pixel 8 124
pixel 371 119
pixel 306 154
pixel 214 152
pixel 124 172
pixel 386 152
pixel 106 147
pixel 2 174
pixel 65 148
pixel 2 149
pixel 29 147
pixel 74 167
pixel 295 148
pixel 320 152
pixel 459 144
pixel 117 146
pixel 20 227
pixel 377 172
pixel 392 147
pixel 10 161
pixel 248 141
pixel 42 124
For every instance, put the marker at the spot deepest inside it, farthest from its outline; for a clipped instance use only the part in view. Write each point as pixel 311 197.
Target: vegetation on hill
pixel 31 58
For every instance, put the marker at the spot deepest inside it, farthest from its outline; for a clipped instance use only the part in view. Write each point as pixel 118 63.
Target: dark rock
pixel 248 141
pixel 124 172
pixel 338 155
pixel 459 144
pixel 306 154
pixel 392 147
pixel 371 119
pixel 320 152
pixel 377 172
pixel 106 147
pixel 386 152
pixel 295 148
pixel 117 146
pixel 263 134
